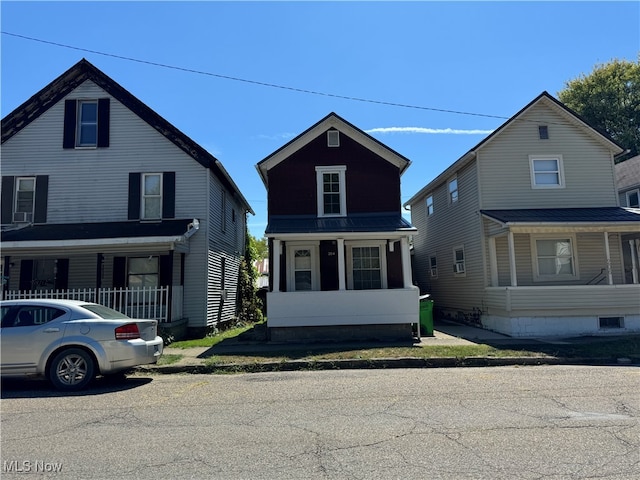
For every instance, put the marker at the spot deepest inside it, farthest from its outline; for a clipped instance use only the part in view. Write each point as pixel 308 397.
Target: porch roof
pixel 45 234
pixel 613 218
pixel 363 223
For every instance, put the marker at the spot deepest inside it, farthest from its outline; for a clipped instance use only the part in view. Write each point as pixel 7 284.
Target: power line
pixel 253 82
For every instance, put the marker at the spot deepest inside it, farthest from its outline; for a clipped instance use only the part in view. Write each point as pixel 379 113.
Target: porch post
pixel 512 260
pixel 276 266
pixel 608 254
pixel 341 265
pixel 406 262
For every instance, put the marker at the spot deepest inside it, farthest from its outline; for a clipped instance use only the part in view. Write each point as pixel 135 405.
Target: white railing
pixel 147 302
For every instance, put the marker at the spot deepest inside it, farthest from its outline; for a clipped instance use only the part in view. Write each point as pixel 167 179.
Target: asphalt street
pixel 556 422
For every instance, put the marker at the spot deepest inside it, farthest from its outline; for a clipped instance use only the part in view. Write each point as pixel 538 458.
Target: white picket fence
pixel 147 302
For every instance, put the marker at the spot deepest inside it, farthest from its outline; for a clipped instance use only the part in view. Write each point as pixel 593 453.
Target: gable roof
pixel 545 98
pixel 331 121
pixel 82 71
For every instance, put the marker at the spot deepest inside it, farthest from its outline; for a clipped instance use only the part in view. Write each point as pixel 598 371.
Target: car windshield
pixel 104 312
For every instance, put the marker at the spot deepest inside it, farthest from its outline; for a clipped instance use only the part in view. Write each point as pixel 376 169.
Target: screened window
pixel 453 191
pixel 546 172
pixel 430 205
pixel 331 191
pixel 366 268
pixel 151 196
pixel 143 272
pixel 87 134
pixel 25 197
pixel 555 258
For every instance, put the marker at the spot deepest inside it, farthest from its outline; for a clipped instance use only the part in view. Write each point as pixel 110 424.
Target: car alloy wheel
pixel 71 369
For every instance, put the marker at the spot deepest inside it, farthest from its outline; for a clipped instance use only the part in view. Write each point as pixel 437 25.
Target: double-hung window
pixel 633 199
pixel 433 265
pixel 453 190
pixel 554 258
pixel 87 134
pixel 151 196
pixel 367 266
pixel 429 205
pixel 546 171
pixel 459 266
pixel 25 199
pixel 331 191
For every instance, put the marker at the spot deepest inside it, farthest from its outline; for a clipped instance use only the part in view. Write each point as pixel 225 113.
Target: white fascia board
pixel 545 227
pixel 96 242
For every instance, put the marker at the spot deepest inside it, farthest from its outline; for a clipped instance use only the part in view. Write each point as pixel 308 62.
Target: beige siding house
pixel 103 199
pixel 524 234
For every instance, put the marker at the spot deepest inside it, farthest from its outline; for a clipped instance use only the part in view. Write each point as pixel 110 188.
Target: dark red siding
pixel 372 183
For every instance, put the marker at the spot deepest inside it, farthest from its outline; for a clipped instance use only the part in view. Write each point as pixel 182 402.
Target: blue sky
pixel 488 59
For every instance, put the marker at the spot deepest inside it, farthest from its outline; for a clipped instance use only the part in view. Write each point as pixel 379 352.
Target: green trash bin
pixel 426 315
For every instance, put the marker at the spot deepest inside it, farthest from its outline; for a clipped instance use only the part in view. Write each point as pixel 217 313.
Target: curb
pixel 383 363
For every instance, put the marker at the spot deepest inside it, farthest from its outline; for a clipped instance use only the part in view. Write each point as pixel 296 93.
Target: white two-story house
pixel 524 234
pixel 104 199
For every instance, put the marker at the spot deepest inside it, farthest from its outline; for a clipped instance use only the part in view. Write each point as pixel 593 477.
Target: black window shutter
pixel 103 122
pixel 169 195
pixel 69 135
pixel 134 196
pixel 42 189
pixel 7 200
pixel 119 272
pixel 166 270
pixel 26 275
pixel 62 274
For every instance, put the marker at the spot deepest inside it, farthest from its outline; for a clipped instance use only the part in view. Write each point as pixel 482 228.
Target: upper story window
pixel 453 190
pixel 86 123
pixel 223 211
pixel 25 199
pixel 331 185
pixel 151 196
pixel 546 171
pixel 429 205
pixel 554 258
pixel 333 138
pixel 543 132
pixel 633 199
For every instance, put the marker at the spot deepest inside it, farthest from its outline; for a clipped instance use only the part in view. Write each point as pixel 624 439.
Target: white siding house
pixel 524 234
pixel 101 194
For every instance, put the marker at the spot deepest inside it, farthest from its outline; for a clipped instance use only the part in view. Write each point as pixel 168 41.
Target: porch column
pixel 341 265
pixel 608 254
pixel 276 266
pixel 512 260
pixel 406 262
pixel 634 249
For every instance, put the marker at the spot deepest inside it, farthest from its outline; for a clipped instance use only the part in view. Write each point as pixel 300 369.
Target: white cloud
pixel 278 136
pixel 450 131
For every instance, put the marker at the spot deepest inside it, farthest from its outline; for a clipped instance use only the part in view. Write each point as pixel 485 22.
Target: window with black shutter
pixel 86 123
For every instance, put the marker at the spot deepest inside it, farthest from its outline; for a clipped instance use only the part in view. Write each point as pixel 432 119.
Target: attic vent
pixel 543 131
pixel 333 138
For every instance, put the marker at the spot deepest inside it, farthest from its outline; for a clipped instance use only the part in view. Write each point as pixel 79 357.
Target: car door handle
pixel 51 330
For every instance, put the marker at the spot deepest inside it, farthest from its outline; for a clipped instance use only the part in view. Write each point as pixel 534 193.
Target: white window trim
pixel 453 201
pixel 28 216
pixel 315 264
pixel 534 258
pixel 457 273
pixel 79 123
pixel 558 158
pixel 429 214
pixel 340 170
pixel 333 138
pixel 367 243
pixel 143 196
pixel 433 270
pixel 631 192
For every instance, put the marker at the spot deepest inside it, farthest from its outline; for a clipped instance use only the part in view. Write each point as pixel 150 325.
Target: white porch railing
pixel 148 302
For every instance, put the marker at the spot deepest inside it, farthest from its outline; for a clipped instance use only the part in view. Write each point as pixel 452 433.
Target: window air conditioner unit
pixel 22 217
pixel 434 272
pixel 458 268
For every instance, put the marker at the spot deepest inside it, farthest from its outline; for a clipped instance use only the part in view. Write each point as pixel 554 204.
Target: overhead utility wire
pixel 254 82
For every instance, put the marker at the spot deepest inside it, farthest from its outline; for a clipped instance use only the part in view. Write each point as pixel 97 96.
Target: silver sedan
pixel 70 342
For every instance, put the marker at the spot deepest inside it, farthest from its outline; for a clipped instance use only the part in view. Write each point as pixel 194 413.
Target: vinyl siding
pixel 449 226
pixel 505 172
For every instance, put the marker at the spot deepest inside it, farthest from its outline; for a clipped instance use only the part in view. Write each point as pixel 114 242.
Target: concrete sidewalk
pixel 194 360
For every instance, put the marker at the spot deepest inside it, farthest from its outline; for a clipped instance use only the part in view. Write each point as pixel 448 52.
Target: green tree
pixel 248 302
pixel 609 99
pixel 261 247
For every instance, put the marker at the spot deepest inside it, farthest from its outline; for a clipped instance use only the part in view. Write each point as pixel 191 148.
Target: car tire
pixel 71 369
